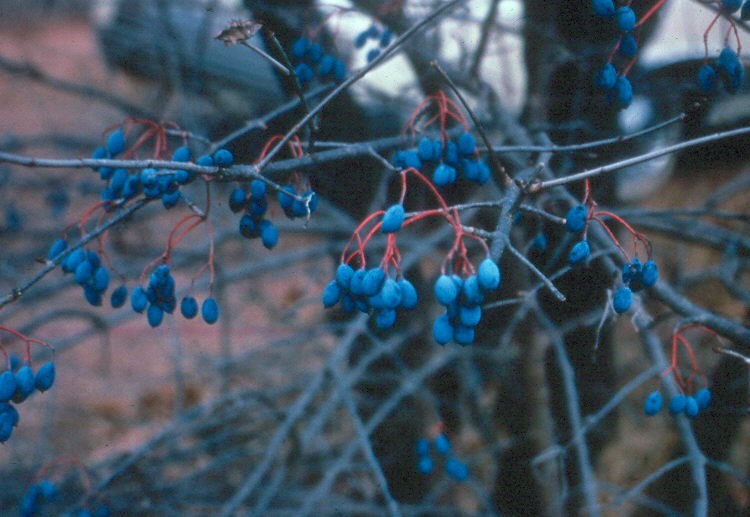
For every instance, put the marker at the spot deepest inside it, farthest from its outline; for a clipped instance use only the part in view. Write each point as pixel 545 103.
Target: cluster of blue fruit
pixel 575 221
pixel 312 61
pixel 159 297
pixel 254 202
pixel 382 37
pixel 45 491
pixel 449 159
pixel 369 290
pixel 728 69
pixel 426 463
pixel 87 268
pixel 689 405
pixel 617 87
pixel 462 298
pixel 16 385
pixel 636 277
pixel 124 184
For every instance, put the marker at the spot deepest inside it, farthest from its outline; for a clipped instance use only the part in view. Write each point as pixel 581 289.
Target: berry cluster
pixel 294 207
pixel 636 277
pixel 87 268
pixel 370 290
pixel 728 69
pixel 382 37
pixel 254 202
pixel 37 494
pixel 690 405
pixel 616 85
pixel 157 298
pixel 448 158
pixel 16 385
pixel 442 445
pixel 312 60
pixel 462 298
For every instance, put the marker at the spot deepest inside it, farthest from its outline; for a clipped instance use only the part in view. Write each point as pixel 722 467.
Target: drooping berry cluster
pixel 636 277
pixel 254 202
pixel 370 290
pixel 462 298
pixel 381 35
pixel 157 298
pixel 689 405
pixel 37 494
pixel 312 61
pixel 87 267
pixel 612 77
pixel 442 445
pixel 448 159
pixel 297 208
pixel 16 385
pixel 727 68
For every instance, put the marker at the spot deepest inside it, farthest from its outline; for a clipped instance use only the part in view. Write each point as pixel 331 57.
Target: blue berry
pixel 189 307
pixel 154 315
pixel 443 175
pixel 258 189
pixel 331 294
pixel 691 407
pixel 623 92
pixel 373 281
pixel 385 318
pixel 372 54
pixel 116 142
pixel 393 219
pixel 182 154
pixel 606 77
pixel 731 69
pixel 138 299
pixel 361 39
pixel 57 247
pixel 344 275
pixel 210 311
pixel 625 19
pixel 463 335
pixel 467 145
pixel 654 403
pixel 409 297
pixel 325 68
pixel 442 444
pixel 45 377
pixel 7 386
pixel 471 292
pixel 269 235
pixel 677 404
pixel 426 465
pixel 47 489
pixel 100 279
pixel 622 300
pixel 488 275
pixel 579 253
pixel 249 227
pixel 300 47
pixel 708 78
pixel 24 383
pixel 304 73
pixel 649 273
pixel 355 284
pixel 628 46
pixel 385 37
pixel 456 469
pixel 315 53
pixel 284 197
pixel 237 199
pixel 423 447
pixel 223 158
pixel 575 219
pixel 339 71
pixel 442 330
pixel 604 8
pixel 540 242
pixel 470 316
pixel 83 272
pixel 205 160
pixel 445 290
pixel 703 398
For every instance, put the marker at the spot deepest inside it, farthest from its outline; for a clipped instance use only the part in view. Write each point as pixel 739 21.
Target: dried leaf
pixel 239 31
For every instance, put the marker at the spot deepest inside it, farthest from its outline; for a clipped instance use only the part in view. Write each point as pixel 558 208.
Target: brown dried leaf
pixel 239 31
